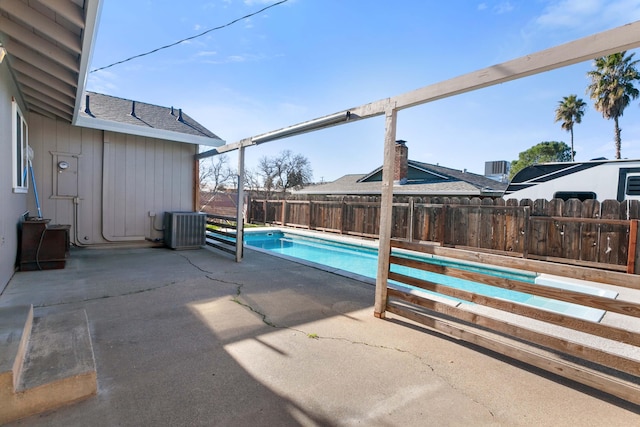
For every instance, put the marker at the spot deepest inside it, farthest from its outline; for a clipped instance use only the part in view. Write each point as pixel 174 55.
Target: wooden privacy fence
pixel 588 233
pixel 498 325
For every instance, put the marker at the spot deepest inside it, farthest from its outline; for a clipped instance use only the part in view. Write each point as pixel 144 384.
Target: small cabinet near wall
pixel 42 246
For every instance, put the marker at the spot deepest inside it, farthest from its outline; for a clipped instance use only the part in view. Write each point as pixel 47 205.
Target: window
pixel 580 195
pixel 633 185
pixel 20 143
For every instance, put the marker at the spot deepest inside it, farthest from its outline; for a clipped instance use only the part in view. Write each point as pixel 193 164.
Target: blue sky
pixel 307 58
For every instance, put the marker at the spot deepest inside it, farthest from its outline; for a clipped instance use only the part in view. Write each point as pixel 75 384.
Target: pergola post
pixel 240 206
pixel 386 207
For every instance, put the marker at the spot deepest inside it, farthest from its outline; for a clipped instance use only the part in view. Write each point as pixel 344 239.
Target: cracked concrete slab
pixel 193 338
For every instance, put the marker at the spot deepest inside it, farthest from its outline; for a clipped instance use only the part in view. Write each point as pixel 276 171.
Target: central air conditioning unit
pixel 185 230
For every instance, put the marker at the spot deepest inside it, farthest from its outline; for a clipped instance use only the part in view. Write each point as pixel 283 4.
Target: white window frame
pixel 20 149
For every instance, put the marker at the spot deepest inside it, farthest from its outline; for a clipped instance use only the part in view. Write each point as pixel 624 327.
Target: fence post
pixel 443 225
pixel 527 231
pixel 343 211
pixel 410 226
pixel 309 225
pixel 633 239
pixel 283 215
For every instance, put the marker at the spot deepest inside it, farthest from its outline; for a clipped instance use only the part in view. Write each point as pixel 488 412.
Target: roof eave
pixel 413 164
pixel 370 174
pixel 92 18
pixel 109 125
pixel 493 193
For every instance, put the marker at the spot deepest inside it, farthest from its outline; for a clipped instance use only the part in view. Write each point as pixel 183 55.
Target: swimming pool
pixel 361 258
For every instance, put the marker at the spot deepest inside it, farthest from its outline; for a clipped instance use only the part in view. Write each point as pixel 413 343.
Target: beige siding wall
pixel 114 183
pixel 144 176
pixel 12 205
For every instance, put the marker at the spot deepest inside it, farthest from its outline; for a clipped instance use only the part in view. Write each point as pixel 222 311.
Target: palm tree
pixel 570 111
pixel 612 87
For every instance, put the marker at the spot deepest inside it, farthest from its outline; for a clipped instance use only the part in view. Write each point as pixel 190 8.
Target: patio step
pixel 47 365
pixel 15 330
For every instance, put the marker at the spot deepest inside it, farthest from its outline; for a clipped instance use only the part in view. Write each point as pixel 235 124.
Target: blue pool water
pixel 363 260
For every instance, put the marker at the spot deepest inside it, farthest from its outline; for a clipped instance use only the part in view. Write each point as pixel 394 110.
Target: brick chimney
pixel 401 166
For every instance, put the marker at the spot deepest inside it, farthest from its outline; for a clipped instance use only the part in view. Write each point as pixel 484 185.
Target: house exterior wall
pixel 116 187
pixel 12 205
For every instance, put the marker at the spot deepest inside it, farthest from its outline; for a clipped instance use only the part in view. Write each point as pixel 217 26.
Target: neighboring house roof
pixel 48 45
pixel 127 116
pixel 423 179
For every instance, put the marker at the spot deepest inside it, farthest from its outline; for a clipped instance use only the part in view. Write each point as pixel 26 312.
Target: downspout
pixel 76 221
pixel 196 185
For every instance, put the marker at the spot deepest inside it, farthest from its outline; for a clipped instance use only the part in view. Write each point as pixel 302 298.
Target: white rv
pixel 596 179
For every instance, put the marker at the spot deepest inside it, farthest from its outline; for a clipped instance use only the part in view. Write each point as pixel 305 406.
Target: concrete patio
pixel 193 338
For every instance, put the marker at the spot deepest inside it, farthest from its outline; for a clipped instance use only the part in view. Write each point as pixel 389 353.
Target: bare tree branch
pixel 284 172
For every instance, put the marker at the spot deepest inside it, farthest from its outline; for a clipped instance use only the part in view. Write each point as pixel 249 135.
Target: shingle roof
pixel 479 181
pixel 456 182
pixel 114 109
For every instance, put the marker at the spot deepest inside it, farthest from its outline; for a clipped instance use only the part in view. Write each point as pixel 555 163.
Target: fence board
pixel 436 223
pixel 539 233
pixel 572 231
pixel 590 231
pixel 514 227
pixel 473 213
pixel 609 240
pixel 555 231
pixel 400 220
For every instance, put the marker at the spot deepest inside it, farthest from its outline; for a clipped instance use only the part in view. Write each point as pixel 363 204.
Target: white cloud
pixel 102 81
pixel 235 58
pixel 207 53
pixel 563 20
pixel 588 14
pixel 503 7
